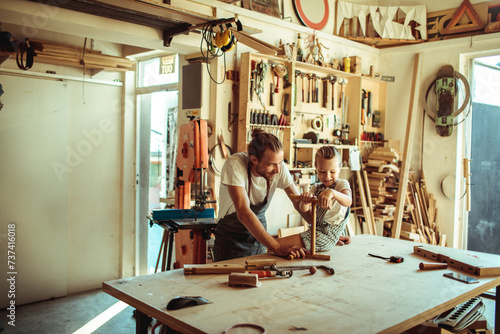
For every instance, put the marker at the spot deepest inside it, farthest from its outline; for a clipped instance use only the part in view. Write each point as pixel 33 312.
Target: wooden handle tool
pixel 313 232
pixel 201 269
pixel 313 229
pixel 324 257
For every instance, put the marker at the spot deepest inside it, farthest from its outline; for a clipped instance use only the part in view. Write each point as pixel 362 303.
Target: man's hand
pixel 307 197
pixel 296 251
pixel 344 240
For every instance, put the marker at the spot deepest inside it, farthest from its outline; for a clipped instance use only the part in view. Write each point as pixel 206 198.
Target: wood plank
pixel 255 43
pixel 244 98
pixel 370 204
pixel 410 131
pixel 474 263
pixel 423 205
pixel 203 269
pixel 366 212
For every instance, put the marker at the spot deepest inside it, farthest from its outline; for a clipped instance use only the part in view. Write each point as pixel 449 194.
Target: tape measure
pixel 317 124
pixel 395 259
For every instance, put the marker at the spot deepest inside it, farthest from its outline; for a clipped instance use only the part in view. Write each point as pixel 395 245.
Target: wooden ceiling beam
pixel 143 12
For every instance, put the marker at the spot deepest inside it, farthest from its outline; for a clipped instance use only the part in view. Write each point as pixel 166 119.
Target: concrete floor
pixel 69 314
pixel 74 314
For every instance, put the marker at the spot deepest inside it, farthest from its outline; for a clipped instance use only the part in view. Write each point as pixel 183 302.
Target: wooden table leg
pixel 161 251
pixel 170 244
pixel 497 310
pixel 166 236
pixel 142 322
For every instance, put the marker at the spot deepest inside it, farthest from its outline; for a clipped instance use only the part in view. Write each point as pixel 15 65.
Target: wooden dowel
pixel 370 203
pixel 313 223
pixel 407 153
pixel 313 229
pixel 362 195
pixel 432 266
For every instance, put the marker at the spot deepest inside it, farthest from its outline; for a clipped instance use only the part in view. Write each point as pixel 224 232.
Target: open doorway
pixel 157 103
pixel 483 230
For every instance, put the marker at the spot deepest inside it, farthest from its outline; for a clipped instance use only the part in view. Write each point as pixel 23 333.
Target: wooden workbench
pixel 366 294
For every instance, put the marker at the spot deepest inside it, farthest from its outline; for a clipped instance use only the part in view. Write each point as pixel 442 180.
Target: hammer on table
pixel 312 253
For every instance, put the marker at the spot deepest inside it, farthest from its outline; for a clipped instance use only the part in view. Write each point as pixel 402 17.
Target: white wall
pixel 441 155
pixel 33 135
pixel 62 177
pixel 60 184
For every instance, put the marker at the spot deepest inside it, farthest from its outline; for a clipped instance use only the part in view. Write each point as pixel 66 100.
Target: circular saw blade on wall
pixel 312 13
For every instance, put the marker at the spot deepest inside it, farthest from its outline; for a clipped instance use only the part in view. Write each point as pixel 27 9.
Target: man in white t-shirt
pixel 248 183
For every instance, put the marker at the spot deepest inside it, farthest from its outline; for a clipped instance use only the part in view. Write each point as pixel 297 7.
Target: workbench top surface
pixel 366 294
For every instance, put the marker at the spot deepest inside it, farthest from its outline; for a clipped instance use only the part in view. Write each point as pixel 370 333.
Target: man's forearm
pixel 255 227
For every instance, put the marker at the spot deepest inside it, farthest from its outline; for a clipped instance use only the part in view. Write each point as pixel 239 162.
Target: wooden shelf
pixel 311 169
pixel 313 112
pixel 384 42
pixel 317 68
pixel 269 126
pixel 340 147
pixel 301 113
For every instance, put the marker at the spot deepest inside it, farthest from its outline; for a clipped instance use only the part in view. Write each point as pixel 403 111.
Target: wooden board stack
pixel 419 220
pixel 66 55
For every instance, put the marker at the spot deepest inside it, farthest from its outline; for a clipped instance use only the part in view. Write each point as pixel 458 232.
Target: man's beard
pixel 267 176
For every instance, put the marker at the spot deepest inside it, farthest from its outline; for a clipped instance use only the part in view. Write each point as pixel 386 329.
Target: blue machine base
pixel 172 214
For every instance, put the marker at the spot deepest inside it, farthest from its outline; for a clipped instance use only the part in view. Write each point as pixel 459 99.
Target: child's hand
pixel 326 198
pixel 344 240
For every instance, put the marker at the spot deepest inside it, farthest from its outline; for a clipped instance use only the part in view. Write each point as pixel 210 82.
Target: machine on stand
pixel 191 227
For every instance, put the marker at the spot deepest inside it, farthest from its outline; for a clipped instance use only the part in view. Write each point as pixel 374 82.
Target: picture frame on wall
pixel 269 7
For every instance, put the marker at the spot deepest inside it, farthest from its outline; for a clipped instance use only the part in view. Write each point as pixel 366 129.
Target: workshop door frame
pixel 157 147
pixel 157 102
pixel 483 223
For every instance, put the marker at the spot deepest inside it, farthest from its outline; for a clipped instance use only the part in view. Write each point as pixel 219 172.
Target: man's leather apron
pixel 232 238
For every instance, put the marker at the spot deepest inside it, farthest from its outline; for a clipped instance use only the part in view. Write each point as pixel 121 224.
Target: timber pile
pixel 419 218
pixel 66 55
pixel 383 174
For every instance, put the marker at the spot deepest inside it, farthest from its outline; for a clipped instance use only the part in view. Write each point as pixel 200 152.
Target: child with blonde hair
pixel 333 196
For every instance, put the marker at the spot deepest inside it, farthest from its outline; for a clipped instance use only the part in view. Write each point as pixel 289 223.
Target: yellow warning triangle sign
pixel 474 24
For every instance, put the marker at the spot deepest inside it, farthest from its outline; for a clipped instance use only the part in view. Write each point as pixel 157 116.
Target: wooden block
pixel 243 279
pixel 294 220
pixel 258 264
pixel 313 256
pixel 285 232
pixel 200 269
pixel 475 263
